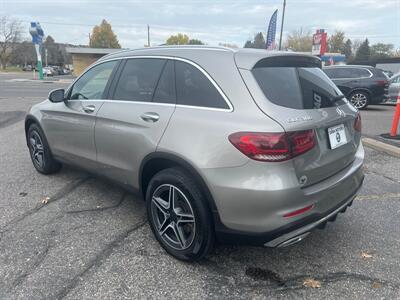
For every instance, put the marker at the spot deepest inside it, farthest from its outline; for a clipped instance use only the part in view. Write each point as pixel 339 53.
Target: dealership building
pixel 82 57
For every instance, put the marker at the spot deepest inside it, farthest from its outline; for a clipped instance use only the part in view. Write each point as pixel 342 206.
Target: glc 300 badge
pixel 299 119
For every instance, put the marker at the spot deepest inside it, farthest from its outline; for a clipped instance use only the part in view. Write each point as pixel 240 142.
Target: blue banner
pixel 270 42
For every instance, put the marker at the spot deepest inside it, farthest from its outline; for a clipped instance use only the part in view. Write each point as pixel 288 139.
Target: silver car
pixel 394 88
pixel 236 146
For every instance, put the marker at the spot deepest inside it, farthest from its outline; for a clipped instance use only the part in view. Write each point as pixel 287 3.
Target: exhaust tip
pixel 294 240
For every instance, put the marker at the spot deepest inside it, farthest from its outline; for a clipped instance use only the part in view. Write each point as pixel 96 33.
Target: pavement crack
pixel 369 171
pixel 8 118
pixel 100 258
pixel 98 209
pixel 40 258
pixel 57 196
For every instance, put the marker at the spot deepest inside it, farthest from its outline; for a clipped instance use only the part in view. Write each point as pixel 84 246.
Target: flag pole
pixel 283 19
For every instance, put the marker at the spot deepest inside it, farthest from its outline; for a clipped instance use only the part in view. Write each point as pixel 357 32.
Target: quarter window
pixel 92 84
pixel 165 91
pixel 195 89
pixel 138 79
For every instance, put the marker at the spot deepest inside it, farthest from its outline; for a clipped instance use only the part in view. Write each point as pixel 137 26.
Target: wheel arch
pixel 352 91
pixel 29 120
pixel 158 161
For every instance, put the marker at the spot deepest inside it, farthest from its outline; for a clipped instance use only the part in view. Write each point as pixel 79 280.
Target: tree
pixel 178 39
pixel 23 54
pixel 195 42
pixel 346 50
pixel 182 39
pixel 363 52
pixel 54 52
pixel 381 50
pixel 103 36
pixel 10 33
pixel 299 41
pixel 356 44
pixel 336 42
pixel 258 42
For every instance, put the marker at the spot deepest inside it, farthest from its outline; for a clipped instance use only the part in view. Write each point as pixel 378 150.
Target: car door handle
pixel 89 109
pixel 150 117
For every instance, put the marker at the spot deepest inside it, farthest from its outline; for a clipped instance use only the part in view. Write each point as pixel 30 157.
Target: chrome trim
pixel 227 101
pixel 151 103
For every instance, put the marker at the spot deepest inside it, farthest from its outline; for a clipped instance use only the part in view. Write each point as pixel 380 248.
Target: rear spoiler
pixel 289 61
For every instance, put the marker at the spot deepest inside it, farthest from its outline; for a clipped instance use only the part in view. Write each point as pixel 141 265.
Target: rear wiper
pixel 337 98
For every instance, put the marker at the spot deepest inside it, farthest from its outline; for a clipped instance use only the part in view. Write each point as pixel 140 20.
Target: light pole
pixel 283 19
pixel 148 35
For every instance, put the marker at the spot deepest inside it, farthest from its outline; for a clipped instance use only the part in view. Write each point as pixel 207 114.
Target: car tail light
pixel 357 123
pixel 273 147
pixel 382 82
pixel 301 141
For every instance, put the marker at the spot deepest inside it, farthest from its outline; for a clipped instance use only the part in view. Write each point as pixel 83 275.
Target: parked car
pixel 66 71
pixel 242 146
pixel 388 74
pixel 27 68
pixel 362 85
pixel 56 70
pixel 394 88
pixel 48 71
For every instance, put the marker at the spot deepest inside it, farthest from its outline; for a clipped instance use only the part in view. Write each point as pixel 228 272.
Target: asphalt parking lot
pixel 91 239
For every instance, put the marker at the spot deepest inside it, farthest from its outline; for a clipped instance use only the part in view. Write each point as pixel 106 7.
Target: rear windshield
pixel 297 87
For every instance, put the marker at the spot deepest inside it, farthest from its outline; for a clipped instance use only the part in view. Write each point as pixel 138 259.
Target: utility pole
pixel 283 19
pixel 148 35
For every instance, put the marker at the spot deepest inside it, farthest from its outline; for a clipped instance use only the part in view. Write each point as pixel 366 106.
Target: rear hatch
pixel 293 90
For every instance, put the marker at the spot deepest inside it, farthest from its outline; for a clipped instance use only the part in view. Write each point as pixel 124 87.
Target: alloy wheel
pixel 173 217
pixel 37 150
pixel 359 100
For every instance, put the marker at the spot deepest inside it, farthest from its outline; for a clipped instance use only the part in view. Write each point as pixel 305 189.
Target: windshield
pixel 297 87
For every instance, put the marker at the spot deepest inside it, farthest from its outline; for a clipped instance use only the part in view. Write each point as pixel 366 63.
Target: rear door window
pixel 195 89
pixel 297 87
pixel 362 73
pixel 138 79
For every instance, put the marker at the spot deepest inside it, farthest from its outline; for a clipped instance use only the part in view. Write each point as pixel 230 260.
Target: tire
pixel 39 151
pixel 359 99
pixel 184 229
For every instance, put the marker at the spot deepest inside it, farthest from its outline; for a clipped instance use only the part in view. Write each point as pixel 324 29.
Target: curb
pixel 380 146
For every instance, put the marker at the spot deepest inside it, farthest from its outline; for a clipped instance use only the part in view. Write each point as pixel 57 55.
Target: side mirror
pixel 57 95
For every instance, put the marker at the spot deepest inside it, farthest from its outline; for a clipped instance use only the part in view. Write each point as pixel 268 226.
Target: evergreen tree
pixel 364 51
pixel 347 49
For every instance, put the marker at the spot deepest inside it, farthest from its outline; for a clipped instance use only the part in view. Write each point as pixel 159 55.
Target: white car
pixel 394 88
pixel 47 71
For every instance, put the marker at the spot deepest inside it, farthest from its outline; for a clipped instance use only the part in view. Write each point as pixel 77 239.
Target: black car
pixel 362 85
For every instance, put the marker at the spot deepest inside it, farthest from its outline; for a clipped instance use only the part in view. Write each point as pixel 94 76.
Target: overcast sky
pixel 213 22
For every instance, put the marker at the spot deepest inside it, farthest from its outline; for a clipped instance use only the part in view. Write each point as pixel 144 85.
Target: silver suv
pixel 235 146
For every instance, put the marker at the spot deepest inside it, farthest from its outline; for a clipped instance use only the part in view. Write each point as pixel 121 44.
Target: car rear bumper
pixel 254 212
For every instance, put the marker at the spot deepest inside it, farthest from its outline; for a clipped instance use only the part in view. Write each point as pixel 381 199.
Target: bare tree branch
pixel 10 34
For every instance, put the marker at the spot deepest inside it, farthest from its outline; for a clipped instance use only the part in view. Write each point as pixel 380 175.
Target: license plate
pixel 337 136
